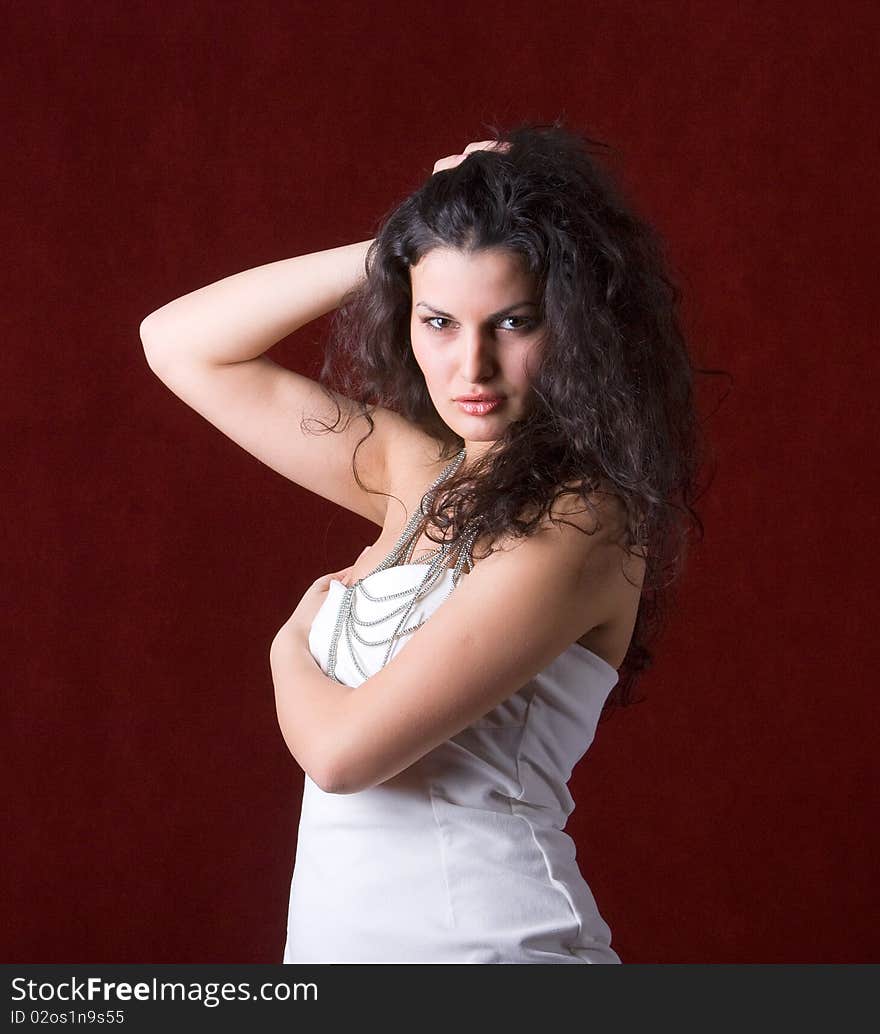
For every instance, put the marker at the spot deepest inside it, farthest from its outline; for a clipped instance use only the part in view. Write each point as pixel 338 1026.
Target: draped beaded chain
pixel 349 624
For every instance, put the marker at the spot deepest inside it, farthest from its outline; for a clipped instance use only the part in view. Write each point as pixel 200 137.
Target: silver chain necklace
pixel 347 621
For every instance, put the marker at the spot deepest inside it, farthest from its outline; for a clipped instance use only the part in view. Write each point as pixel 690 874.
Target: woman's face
pixel 475 331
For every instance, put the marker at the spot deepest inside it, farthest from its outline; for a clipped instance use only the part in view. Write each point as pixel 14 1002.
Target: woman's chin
pixel 486 428
pixel 476 438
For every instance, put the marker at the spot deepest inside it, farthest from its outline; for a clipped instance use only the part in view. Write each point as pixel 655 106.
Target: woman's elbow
pixel 335 779
pixel 322 774
pixel 149 340
pixel 147 330
pixel 347 772
pixel 362 769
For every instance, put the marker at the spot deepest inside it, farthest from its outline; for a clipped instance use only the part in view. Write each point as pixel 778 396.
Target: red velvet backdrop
pixel 153 148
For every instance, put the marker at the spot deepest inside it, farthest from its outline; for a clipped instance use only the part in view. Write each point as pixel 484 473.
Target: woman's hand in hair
pixel 452 160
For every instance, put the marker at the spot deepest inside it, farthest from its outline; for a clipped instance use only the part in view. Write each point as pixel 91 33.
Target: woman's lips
pixel 479 408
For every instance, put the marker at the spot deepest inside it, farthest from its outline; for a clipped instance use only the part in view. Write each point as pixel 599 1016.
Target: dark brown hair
pixel 612 402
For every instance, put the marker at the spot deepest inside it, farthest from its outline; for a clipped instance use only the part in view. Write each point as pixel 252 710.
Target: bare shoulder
pixel 602 518
pixel 578 526
pixel 611 572
pixel 582 538
pixel 601 510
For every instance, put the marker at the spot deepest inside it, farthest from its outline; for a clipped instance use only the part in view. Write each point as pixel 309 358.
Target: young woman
pixel 515 415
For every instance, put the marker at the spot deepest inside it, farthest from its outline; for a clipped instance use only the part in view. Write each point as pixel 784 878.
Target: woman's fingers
pixel 451 160
pixel 342 575
pixel 487 145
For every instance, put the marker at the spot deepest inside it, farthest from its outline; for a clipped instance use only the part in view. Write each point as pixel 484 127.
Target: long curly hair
pixel 612 402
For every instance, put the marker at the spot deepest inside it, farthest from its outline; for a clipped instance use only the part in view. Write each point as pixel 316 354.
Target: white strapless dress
pixel 462 857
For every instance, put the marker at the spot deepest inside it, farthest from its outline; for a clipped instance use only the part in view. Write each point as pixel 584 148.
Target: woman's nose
pixel 477 355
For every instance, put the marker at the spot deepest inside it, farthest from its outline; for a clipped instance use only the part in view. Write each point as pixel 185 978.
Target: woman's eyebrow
pixel 493 316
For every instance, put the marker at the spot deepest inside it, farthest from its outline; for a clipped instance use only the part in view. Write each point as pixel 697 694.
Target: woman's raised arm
pixel 243 315
pixel 207 347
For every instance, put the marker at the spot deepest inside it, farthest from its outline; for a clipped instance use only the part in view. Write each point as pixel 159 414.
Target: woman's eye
pixel 524 324
pixel 430 322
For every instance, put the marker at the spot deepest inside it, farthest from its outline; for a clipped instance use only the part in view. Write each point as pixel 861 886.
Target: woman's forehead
pixel 486 270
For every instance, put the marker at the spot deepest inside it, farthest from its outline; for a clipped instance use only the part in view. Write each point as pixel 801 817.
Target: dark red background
pixel 154 148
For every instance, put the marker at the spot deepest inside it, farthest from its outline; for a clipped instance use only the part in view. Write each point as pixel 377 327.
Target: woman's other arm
pixel 508 618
